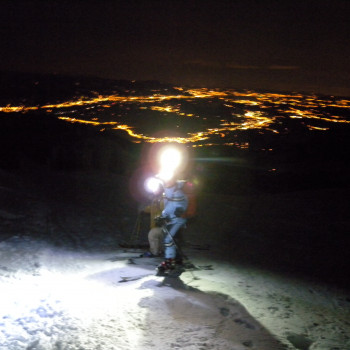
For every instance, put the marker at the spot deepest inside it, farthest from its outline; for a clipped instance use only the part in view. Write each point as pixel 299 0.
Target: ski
pixel 133 278
pixel 174 273
pixel 122 258
pixel 146 262
pixel 192 267
pixel 126 254
pixel 188 266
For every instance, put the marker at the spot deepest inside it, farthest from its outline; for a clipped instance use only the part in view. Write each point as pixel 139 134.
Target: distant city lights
pixel 254 113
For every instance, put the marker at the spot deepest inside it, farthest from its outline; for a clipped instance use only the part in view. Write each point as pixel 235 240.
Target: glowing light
pixel 168 109
pixel 166 174
pixel 152 185
pixel 170 158
pixel 316 128
pixel 81 121
pixel 310 108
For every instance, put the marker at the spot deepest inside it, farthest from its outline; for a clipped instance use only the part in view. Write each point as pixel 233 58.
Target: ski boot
pixel 165 266
pixel 169 268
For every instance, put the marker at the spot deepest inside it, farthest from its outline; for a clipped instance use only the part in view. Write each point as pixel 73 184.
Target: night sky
pixel 267 44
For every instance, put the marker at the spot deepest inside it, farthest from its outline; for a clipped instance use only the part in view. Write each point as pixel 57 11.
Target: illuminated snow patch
pixel 69 306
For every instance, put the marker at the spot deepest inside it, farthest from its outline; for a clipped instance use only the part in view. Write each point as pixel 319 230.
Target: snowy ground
pixel 61 288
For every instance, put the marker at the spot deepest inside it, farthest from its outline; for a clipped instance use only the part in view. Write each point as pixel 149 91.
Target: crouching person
pixel 156 233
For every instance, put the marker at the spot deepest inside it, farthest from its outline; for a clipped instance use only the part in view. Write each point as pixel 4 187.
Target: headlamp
pixel 152 185
pixel 169 160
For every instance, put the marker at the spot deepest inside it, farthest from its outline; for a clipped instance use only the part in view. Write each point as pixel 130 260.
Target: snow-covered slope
pixel 61 270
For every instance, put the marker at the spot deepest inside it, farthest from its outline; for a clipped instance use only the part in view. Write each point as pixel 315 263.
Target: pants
pixel 173 228
pixel 156 239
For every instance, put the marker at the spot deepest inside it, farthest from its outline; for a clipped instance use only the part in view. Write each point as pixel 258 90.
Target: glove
pixel 160 221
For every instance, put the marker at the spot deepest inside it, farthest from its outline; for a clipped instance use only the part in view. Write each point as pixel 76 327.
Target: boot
pixel 165 267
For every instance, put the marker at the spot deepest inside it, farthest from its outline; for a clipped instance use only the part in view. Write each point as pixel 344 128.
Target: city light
pixel 232 112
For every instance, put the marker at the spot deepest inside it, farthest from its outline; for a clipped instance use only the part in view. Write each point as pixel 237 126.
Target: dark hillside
pixel 41 140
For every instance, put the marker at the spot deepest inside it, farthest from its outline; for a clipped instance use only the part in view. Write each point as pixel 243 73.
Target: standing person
pixel 175 205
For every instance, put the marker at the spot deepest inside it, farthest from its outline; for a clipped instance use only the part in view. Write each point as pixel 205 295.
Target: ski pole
pixel 174 242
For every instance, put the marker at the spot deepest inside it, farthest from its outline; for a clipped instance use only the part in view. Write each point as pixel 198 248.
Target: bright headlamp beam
pixel 166 174
pixel 170 159
pixel 152 185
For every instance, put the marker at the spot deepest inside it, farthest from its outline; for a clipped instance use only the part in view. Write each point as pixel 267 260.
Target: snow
pixel 61 269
